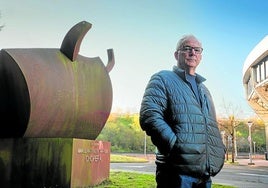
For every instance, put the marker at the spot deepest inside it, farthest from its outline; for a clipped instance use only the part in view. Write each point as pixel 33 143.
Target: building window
pixel 258 74
pixel 263 72
pixel 266 67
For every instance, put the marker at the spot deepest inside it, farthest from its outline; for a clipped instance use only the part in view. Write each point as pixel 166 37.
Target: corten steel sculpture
pixel 54 92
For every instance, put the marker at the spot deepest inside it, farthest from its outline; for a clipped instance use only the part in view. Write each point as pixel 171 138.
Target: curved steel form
pixel 255 81
pixel 51 92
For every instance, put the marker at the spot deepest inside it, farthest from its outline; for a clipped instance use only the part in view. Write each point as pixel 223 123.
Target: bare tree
pixel 228 124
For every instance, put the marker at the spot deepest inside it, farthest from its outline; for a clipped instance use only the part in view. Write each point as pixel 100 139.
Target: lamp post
pixel 145 143
pixel 254 149
pixel 250 143
pixel 224 142
pixel 223 137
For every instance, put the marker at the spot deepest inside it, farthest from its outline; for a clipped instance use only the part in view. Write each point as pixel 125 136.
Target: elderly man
pixel 178 113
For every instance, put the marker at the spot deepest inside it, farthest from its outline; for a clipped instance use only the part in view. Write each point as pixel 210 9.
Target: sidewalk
pixel 256 162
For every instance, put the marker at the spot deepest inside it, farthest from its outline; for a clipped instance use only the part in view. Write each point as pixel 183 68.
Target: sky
pixel 143 35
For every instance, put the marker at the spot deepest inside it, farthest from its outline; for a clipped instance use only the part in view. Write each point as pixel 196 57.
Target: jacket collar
pixel 181 73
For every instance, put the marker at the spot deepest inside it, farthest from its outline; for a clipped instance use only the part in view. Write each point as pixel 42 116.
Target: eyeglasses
pixel 189 49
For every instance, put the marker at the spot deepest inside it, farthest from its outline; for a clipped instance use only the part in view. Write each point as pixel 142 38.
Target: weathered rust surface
pixel 54 92
pixel 53 162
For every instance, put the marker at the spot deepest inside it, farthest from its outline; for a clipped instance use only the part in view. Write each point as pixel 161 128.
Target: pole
pixel 250 143
pixel 145 143
pixel 254 149
pixel 235 143
pixel 224 142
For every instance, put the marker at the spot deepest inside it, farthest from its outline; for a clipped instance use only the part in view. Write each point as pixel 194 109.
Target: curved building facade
pixel 255 81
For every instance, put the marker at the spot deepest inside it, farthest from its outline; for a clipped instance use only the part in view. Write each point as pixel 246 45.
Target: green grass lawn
pixel 120 179
pixel 135 180
pixel 117 158
pixel 128 180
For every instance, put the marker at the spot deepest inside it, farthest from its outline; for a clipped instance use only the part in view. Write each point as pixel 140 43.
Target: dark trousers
pixel 168 177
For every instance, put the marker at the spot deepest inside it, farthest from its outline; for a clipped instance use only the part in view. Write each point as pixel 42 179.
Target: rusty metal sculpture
pixel 54 92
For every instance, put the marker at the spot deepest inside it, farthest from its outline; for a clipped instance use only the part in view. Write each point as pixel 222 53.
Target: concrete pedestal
pixel 53 162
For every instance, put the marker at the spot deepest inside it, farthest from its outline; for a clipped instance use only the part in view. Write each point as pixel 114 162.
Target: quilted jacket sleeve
pixel 152 114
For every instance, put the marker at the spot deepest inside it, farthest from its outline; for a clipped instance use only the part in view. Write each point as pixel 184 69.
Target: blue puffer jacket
pixel 185 133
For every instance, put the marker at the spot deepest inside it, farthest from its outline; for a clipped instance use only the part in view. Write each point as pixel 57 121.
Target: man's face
pixel 190 54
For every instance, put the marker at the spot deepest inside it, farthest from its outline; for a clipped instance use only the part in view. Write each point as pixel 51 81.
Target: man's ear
pixel 176 55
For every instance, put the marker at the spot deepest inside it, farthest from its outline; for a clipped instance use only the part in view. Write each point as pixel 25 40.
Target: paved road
pixel 241 176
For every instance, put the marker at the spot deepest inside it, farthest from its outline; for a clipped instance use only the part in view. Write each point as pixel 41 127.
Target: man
pixel 178 113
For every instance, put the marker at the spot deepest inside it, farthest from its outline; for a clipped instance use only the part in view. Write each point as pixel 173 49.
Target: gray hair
pixel 184 39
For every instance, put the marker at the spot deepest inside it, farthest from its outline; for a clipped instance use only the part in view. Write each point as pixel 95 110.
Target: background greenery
pixel 125 135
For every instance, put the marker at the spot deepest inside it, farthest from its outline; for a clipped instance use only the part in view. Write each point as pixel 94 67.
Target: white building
pixel 255 81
